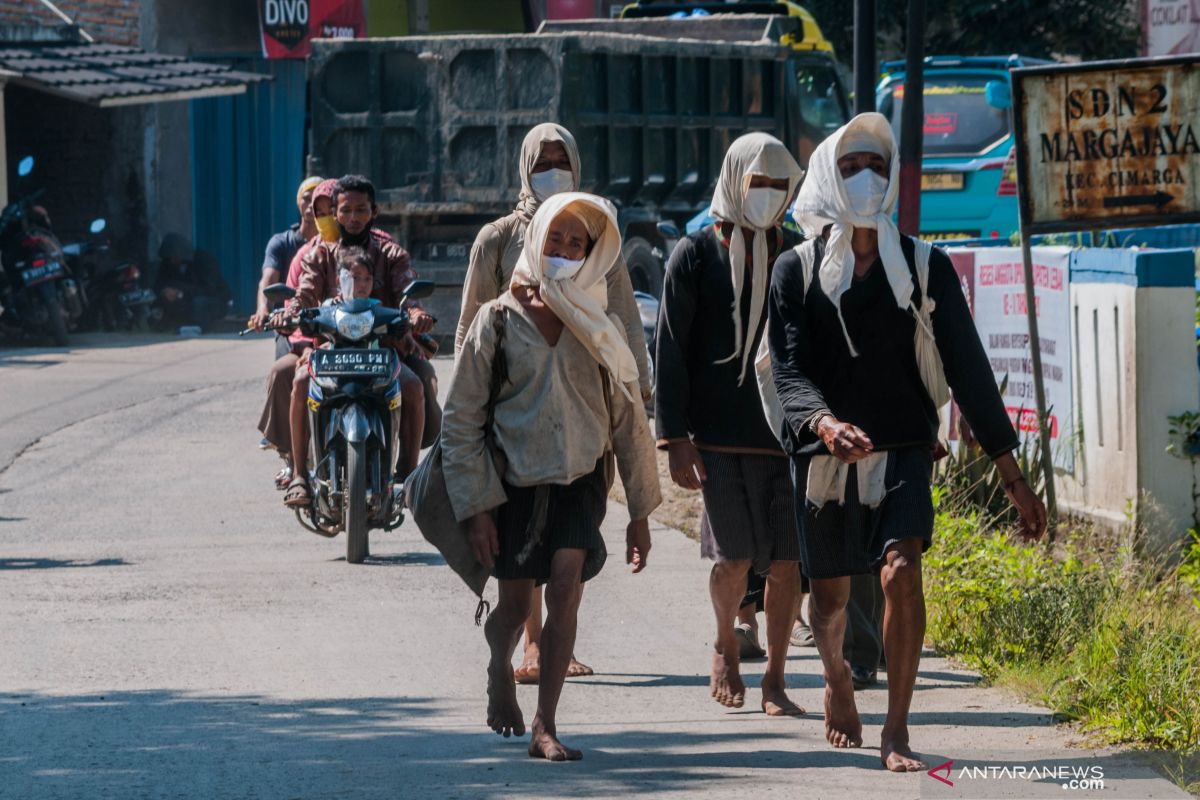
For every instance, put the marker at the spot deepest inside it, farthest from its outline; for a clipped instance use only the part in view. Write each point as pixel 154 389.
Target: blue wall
pixel 247 160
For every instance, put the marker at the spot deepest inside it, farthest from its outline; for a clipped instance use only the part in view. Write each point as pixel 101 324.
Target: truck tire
pixel 645 268
pixel 354 508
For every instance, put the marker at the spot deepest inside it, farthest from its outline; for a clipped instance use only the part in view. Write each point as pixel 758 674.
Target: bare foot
pixel 897 756
pixel 503 713
pixel 726 683
pixel 842 726
pixel 776 703
pixel 577 669
pixel 528 672
pixel 544 743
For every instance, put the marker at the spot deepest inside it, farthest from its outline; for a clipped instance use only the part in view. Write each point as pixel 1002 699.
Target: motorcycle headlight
pixel 354 326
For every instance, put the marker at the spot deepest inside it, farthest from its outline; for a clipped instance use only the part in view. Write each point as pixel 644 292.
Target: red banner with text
pixel 288 26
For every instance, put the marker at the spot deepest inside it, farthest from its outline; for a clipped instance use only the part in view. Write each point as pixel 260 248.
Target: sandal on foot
pixel 802 637
pixel 298 494
pixel 748 648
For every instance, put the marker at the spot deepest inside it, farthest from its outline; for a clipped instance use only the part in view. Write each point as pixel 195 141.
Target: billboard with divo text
pixel 1107 144
pixel 288 26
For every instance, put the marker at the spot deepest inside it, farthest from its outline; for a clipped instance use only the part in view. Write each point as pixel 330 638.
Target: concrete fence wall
pixel 1134 347
pixel 1134 364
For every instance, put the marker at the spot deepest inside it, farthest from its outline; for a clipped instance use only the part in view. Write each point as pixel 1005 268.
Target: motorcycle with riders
pixel 354 414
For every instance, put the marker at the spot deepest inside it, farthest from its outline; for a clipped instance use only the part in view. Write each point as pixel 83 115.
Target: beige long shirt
pixel 490 269
pixel 551 420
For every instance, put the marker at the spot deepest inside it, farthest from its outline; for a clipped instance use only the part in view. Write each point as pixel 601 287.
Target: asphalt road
pixel 168 630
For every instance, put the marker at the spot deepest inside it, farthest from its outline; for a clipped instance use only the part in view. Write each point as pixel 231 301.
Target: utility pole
pixel 912 120
pixel 866 68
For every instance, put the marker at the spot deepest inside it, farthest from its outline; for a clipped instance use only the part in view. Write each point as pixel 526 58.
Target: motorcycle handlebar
pixel 285 326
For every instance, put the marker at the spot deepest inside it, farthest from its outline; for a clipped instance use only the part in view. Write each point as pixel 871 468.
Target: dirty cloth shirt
pixel 551 418
pixel 490 269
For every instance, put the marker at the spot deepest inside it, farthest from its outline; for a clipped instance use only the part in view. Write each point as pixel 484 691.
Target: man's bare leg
pixel 412 420
pixel 782 597
pixel 827 618
pixel 726 587
pixel 903 633
pixel 528 671
pixel 563 594
pixel 298 420
pixel 501 629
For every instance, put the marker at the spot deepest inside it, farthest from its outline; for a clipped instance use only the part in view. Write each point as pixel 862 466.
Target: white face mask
pixel 346 283
pixel 762 206
pixel 865 190
pixel 557 268
pixel 551 182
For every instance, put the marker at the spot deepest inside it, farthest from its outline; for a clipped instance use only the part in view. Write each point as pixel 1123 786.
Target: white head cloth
pixel 531 148
pixel 749 155
pixel 822 201
pixel 581 301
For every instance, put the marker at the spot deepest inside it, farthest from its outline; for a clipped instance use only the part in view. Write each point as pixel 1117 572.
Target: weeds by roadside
pixel 1091 628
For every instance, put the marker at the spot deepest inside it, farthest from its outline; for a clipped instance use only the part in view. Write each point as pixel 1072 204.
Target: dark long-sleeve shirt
pixel 695 396
pixel 880 391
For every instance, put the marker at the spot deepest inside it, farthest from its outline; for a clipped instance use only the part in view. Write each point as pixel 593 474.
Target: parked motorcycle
pixel 648 310
pixel 41 295
pixel 116 299
pixel 353 392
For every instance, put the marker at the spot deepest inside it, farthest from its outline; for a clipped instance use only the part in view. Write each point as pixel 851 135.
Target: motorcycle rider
pixel 281 249
pixel 355 210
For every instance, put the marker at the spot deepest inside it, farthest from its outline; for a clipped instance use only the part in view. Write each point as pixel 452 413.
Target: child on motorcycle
pixel 355 282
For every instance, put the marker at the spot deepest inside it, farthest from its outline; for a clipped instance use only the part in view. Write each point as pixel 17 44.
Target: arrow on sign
pixel 1159 199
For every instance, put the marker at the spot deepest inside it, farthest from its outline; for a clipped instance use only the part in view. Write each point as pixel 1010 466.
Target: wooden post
pixel 912 121
pixel 1039 385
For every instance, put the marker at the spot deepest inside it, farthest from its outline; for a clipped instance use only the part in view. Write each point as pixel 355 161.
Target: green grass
pixel 1093 631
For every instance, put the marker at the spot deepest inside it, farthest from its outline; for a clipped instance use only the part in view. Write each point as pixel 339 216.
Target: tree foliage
pixel 1077 29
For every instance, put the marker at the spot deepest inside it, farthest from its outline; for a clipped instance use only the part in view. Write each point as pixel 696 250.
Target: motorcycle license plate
pixel 36 275
pixel 139 297
pixel 356 363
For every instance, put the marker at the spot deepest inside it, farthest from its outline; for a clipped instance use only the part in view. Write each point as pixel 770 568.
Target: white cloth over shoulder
pixel 823 201
pixel 581 301
pixel 749 155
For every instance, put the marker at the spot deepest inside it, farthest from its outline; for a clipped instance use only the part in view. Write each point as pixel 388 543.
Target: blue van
pixel 968 171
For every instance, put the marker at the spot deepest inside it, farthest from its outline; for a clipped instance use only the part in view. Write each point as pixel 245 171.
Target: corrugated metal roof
pixel 110 75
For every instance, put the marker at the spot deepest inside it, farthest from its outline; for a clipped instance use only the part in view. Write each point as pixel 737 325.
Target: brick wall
pixel 111 21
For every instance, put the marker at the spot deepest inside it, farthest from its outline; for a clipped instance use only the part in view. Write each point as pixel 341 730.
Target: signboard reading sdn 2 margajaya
pixel 1108 143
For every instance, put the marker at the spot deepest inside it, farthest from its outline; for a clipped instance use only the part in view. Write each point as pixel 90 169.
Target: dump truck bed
pixel 437 122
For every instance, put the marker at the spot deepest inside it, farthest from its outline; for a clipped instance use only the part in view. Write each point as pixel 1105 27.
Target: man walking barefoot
pixel 710 414
pixel 856 380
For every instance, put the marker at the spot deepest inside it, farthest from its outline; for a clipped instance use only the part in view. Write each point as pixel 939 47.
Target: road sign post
pixel 1102 144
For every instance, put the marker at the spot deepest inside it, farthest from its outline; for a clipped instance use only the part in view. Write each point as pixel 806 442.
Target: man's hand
pixel 637 544
pixel 279 319
pixel 1030 508
pixel 484 539
pixel 171 294
pixel 846 442
pixel 259 321
pixel 420 320
pixel 687 468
